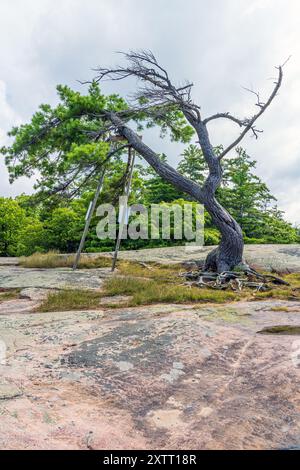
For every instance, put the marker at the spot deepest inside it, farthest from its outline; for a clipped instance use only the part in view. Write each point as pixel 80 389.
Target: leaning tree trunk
pixel 229 253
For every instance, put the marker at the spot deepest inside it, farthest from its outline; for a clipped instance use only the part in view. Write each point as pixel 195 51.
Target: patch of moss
pixel 282 293
pixel 9 294
pixel 279 309
pixel 281 330
pixel 229 315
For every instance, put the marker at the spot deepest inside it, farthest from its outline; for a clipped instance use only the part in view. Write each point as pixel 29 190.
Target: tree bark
pixel 229 253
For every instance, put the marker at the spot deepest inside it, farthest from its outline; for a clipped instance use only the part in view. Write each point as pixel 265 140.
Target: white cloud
pixel 255 5
pixel 8 116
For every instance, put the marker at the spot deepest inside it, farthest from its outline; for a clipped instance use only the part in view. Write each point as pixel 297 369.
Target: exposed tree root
pixel 243 277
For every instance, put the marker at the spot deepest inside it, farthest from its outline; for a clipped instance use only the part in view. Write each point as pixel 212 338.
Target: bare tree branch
pixel 159 93
pixel 157 86
pixel 249 124
pixel 238 121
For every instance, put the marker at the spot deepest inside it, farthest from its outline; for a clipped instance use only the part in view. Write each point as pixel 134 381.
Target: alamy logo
pixel 158 221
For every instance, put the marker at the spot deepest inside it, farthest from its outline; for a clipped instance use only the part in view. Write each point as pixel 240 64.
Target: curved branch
pixel 163 169
pixel 240 122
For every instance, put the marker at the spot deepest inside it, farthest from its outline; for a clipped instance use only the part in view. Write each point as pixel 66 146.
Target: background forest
pixel 35 223
pixel 67 165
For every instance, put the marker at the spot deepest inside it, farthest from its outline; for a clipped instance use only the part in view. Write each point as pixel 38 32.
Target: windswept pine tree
pixel 69 144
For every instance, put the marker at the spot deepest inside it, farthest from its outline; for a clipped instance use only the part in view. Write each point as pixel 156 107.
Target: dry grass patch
pixel 150 270
pixel 282 293
pixel 53 259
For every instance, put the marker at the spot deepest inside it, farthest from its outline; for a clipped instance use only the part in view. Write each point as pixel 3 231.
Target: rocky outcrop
pixel 165 376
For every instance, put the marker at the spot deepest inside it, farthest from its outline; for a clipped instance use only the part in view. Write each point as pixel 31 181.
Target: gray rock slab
pixel 10 261
pixel 9 391
pixel 58 278
pixel 262 256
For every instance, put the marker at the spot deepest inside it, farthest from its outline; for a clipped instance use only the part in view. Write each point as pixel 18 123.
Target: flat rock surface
pixel 58 278
pixel 164 377
pixel 262 256
pixel 8 261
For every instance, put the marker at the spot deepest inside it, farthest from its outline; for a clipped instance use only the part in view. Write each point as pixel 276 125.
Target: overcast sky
pixel 220 45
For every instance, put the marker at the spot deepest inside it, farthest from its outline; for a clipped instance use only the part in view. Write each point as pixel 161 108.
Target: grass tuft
pixel 65 300
pixel 148 291
pixel 141 292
